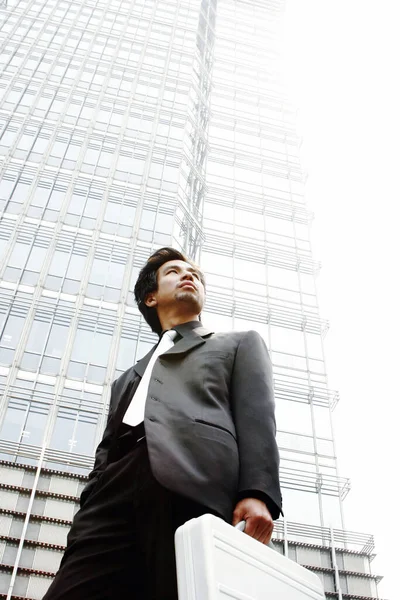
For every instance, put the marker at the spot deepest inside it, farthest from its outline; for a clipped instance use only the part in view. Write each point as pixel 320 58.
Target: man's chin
pixel 189 298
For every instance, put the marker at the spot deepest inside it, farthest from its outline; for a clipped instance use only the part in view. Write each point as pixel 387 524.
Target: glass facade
pixel 126 126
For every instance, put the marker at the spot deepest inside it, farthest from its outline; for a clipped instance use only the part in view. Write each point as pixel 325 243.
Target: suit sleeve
pixel 102 450
pixel 253 408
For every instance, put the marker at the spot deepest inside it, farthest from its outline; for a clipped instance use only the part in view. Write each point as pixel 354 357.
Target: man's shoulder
pixel 236 335
pixel 226 335
pixel 234 338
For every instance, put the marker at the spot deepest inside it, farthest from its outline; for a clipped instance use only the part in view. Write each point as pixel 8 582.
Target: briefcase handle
pixel 241 526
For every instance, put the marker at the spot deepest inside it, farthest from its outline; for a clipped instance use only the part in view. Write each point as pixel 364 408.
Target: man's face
pixel 179 282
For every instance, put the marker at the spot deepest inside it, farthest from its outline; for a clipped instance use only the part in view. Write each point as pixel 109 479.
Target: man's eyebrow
pixel 179 268
pixel 194 270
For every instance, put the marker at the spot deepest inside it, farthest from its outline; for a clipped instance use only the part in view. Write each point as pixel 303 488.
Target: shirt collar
pixel 185 328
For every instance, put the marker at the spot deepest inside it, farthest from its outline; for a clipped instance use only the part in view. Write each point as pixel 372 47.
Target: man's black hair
pixel 147 282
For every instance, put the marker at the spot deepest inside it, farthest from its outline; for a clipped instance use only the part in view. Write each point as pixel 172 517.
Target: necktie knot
pixel 171 333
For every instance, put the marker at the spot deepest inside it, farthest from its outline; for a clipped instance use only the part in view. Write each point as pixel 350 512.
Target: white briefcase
pixel 216 561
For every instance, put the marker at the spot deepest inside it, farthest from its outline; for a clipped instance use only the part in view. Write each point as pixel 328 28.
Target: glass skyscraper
pixel 126 125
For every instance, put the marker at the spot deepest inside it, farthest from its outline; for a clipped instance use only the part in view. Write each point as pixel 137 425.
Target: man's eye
pixel 196 275
pixel 172 271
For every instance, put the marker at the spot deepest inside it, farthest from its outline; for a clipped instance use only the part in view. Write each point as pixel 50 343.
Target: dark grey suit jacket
pixel 209 419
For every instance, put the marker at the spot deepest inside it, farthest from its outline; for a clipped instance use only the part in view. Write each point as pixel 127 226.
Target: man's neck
pixel 173 320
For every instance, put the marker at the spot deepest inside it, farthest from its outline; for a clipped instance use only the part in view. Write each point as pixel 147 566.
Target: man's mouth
pixel 188 284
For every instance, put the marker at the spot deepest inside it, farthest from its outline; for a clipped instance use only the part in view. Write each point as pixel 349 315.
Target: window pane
pixel 116 275
pixel 57 340
pixel 59 263
pixel 36 259
pixel 13 423
pixel 12 332
pixel 62 437
pixel 99 271
pixel 35 425
pixel 82 345
pixel 126 353
pixel 76 266
pixel 37 336
pixel 100 349
pixel 84 435
pixel 19 255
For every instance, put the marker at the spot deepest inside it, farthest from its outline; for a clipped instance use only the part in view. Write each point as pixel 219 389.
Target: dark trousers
pixel 121 544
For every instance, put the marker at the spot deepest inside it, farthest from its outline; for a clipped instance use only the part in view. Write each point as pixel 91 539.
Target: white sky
pixel 343 65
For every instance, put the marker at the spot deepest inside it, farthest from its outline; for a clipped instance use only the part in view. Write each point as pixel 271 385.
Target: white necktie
pixel 135 411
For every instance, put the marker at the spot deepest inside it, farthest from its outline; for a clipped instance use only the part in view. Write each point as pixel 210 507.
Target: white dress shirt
pixel 135 411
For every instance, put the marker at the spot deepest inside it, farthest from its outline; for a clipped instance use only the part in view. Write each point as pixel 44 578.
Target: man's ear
pixel 151 301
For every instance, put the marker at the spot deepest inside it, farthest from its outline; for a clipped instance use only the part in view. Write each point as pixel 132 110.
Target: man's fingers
pixel 237 517
pixel 254 528
pixel 259 523
pixel 264 536
pixel 267 535
pixel 259 529
pixel 250 527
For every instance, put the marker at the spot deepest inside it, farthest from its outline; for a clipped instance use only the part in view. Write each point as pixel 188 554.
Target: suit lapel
pixel 141 365
pixel 191 339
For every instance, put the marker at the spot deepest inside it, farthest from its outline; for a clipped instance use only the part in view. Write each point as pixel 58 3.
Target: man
pixel 191 430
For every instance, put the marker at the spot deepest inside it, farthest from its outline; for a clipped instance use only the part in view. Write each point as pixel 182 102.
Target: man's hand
pixel 259 523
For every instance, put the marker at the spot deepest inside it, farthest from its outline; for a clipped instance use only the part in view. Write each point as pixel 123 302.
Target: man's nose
pixel 187 275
